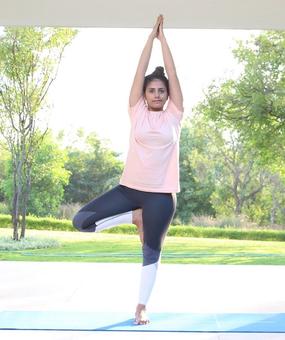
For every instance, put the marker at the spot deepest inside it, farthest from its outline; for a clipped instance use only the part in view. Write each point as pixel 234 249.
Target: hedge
pixel 49 223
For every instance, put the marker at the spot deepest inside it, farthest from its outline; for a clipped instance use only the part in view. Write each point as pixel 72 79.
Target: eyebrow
pixel 153 88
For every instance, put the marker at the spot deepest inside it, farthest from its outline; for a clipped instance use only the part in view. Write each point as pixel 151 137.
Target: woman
pixel 146 195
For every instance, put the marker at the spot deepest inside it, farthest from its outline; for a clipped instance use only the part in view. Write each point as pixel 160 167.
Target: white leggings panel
pixel 148 273
pixel 110 222
pixel 148 277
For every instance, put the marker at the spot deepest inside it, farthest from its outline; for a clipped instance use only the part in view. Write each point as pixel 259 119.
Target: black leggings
pixel 157 212
pixel 115 207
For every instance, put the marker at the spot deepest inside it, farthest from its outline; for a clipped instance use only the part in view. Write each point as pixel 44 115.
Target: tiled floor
pixel 114 288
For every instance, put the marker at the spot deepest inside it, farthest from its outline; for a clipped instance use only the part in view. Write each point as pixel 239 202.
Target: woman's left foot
pixel 141 316
pixel 138 221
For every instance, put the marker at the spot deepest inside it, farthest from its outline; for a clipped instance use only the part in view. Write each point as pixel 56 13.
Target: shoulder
pixel 172 109
pixel 140 106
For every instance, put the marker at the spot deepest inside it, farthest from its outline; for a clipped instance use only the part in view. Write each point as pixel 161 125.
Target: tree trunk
pixel 17 197
pixel 238 207
pixel 15 216
pixel 273 210
pixel 26 194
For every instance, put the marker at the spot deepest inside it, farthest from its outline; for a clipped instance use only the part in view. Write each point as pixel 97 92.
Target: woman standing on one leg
pixel 146 195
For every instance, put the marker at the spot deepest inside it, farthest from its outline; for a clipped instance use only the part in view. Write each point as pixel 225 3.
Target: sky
pixel 95 75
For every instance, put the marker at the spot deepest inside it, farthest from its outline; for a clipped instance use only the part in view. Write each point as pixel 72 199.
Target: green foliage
pixel 255 103
pixel 196 183
pixel 4 208
pixel 94 170
pixel 39 223
pixel 29 60
pixel 181 231
pixel 5 221
pixel 4 156
pixel 233 221
pixel 228 233
pixel 48 178
pixel 8 244
pixel 253 108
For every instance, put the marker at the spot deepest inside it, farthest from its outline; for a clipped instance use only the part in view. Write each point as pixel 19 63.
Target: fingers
pixel 157 24
pixel 160 28
pixel 159 20
pixel 157 28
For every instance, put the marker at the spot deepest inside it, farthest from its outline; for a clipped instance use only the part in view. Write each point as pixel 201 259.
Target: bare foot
pixel 141 316
pixel 137 220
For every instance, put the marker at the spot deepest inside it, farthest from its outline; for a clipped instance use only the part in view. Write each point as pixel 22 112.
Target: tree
pixel 196 183
pixel 48 176
pixel 29 60
pixel 240 178
pixel 3 171
pixel 223 162
pixel 94 170
pixel 268 206
pixel 254 104
pixel 253 107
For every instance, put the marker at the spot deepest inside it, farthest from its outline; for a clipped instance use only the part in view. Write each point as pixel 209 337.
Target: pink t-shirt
pixel 153 158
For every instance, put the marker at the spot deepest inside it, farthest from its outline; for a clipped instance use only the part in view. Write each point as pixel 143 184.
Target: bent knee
pixel 84 221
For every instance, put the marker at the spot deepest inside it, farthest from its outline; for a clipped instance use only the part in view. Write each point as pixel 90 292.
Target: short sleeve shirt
pixel 152 162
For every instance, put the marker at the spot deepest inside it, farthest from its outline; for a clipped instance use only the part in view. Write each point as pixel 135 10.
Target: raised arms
pixel 175 92
pixel 137 86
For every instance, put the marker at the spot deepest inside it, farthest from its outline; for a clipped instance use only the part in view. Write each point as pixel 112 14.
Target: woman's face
pixel 156 95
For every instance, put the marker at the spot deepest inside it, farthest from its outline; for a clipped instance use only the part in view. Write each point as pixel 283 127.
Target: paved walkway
pixel 114 287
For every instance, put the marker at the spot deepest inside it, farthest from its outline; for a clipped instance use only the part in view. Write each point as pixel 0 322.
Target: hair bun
pixel 159 71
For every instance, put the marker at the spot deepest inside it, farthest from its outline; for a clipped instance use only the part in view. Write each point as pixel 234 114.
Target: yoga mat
pixel 160 322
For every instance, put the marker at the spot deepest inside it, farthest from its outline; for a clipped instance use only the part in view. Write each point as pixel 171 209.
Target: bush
pixel 4 209
pixel 185 231
pixel 67 211
pixel 227 233
pixel 8 244
pixel 240 222
pixel 39 223
pixel 5 221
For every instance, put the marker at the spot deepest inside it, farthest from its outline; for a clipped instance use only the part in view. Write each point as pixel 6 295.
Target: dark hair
pixel 158 73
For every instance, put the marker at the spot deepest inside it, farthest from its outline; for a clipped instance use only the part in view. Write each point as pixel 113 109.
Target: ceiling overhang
pixel 195 14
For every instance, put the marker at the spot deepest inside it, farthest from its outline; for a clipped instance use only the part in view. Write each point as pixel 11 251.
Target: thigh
pixel 110 203
pixel 157 213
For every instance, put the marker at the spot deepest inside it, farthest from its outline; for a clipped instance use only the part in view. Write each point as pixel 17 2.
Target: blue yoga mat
pixel 160 322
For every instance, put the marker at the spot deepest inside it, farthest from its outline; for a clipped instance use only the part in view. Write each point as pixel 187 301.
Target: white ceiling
pixel 232 14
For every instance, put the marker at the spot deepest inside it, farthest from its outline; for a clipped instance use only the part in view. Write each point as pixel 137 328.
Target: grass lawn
pixel 102 247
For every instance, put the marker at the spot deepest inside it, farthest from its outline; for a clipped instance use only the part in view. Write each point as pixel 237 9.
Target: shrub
pixel 4 209
pixel 8 244
pixel 227 233
pixel 39 223
pixel 232 221
pixel 182 230
pixel 68 210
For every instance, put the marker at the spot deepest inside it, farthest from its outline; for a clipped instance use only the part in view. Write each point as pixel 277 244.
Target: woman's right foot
pixel 141 316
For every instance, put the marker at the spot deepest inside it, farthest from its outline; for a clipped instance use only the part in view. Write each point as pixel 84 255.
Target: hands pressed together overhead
pixel 157 31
